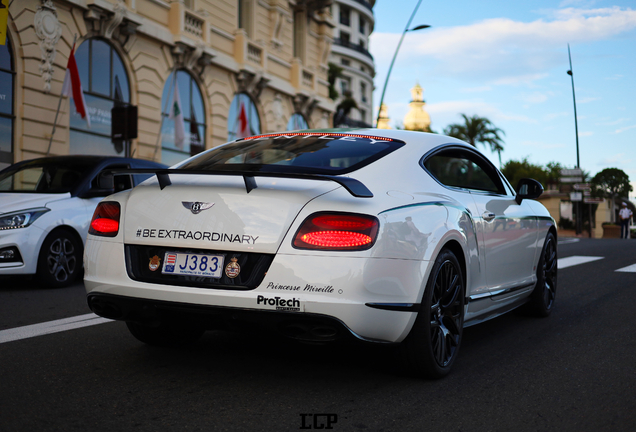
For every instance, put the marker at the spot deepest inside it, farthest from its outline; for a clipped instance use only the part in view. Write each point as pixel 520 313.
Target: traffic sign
pixel 582 186
pixel 572 172
pixel 576 196
pixel 571 179
pixel 591 200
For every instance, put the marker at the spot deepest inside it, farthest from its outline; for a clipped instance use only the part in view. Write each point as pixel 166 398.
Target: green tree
pixel 476 130
pixel 334 72
pixel 516 170
pixel 611 183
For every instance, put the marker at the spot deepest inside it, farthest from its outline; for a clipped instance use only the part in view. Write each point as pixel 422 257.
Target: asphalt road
pixel 573 371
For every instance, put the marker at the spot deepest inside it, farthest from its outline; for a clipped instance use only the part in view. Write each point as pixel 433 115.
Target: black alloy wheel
pixel 60 259
pixel 542 298
pixel 433 344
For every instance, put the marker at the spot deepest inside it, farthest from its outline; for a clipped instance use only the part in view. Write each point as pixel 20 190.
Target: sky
pixel 507 61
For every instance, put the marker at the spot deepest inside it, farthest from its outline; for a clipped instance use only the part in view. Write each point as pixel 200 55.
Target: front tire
pixel 432 346
pixel 60 259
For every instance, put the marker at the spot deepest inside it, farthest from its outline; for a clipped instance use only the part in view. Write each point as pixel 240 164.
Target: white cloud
pixel 553 116
pixel 535 98
pixel 476 89
pixel 585 134
pixel 588 100
pixel 471 108
pixel 542 145
pixel 613 122
pixel 624 129
pixel 614 160
pixel 503 50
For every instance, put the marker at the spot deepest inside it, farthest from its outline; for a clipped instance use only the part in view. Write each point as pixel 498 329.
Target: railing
pixel 308 79
pixel 254 53
pixel 347 44
pixel 193 25
pixel 365 4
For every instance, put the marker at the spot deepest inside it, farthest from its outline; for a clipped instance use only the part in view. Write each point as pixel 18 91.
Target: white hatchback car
pixel 46 206
pixel 388 236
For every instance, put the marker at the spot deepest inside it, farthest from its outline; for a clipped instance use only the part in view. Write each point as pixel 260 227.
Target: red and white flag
pixel 72 82
pixel 243 123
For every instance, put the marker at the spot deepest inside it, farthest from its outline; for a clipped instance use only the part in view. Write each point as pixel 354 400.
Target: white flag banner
pixel 177 115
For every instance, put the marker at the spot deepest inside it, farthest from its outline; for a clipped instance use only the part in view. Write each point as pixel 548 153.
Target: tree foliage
pixel 611 183
pixel 516 170
pixel 334 72
pixel 477 130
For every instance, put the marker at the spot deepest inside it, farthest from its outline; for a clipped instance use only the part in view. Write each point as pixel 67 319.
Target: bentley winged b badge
pixel 196 207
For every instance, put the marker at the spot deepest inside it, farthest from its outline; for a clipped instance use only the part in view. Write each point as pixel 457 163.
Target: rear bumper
pixel 342 291
pixel 303 327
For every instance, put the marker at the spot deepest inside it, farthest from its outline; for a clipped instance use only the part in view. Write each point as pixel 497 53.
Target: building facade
pixel 354 22
pixel 236 68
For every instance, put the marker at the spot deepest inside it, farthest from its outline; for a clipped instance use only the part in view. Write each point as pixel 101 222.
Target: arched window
pixel 243 119
pixel 105 83
pixel 7 74
pixel 174 146
pixel 297 122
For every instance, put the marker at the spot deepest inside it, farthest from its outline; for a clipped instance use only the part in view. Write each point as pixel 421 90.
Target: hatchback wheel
pixel 60 259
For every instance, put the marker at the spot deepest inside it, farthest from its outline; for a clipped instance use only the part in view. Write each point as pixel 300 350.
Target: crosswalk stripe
pixel 575 260
pixel 628 269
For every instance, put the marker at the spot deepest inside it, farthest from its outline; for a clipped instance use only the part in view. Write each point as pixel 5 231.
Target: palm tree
pixel 477 130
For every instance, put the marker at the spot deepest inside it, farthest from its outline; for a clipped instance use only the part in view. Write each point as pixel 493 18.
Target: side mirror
pixel 528 189
pixel 105 181
pixel 102 186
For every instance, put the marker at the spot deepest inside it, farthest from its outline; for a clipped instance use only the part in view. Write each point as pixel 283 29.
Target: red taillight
pixel 105 220
pixel 337 231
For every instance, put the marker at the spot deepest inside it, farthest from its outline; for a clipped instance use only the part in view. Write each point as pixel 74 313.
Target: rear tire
pixel 60 259
pixel 542 298
pixel 432 346
pixel 165 334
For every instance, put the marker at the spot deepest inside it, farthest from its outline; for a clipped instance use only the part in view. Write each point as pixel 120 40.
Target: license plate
pixel 193 264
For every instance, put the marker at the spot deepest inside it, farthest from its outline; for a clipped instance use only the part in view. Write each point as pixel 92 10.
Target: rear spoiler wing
pixel 353 186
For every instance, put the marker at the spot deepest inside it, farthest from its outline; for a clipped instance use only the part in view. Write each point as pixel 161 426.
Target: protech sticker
pixel 279 303
pixel 196 235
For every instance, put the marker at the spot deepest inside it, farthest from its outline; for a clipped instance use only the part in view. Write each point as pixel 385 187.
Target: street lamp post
pixel 576 133
pixel 576 127
pixel 406 29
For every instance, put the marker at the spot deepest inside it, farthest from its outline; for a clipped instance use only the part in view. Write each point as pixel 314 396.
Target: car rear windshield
pixel 308 153
pixel 44 176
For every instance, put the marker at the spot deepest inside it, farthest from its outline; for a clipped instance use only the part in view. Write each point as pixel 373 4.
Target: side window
pixel 463 169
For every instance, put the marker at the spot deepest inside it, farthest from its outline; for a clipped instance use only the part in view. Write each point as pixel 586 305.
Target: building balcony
pixel 351 46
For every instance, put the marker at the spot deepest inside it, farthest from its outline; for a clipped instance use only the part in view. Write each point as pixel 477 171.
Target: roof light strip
pixel 376 138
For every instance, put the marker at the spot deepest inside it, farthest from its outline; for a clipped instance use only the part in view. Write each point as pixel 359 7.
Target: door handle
pixel 488 216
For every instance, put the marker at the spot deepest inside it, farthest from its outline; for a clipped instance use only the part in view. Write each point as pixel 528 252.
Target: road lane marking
pixel 49 327
pixel 575 260
pixel 628 269
pixel 568 240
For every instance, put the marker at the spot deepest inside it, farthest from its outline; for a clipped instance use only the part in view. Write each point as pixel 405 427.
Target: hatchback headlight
pixel 21 219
